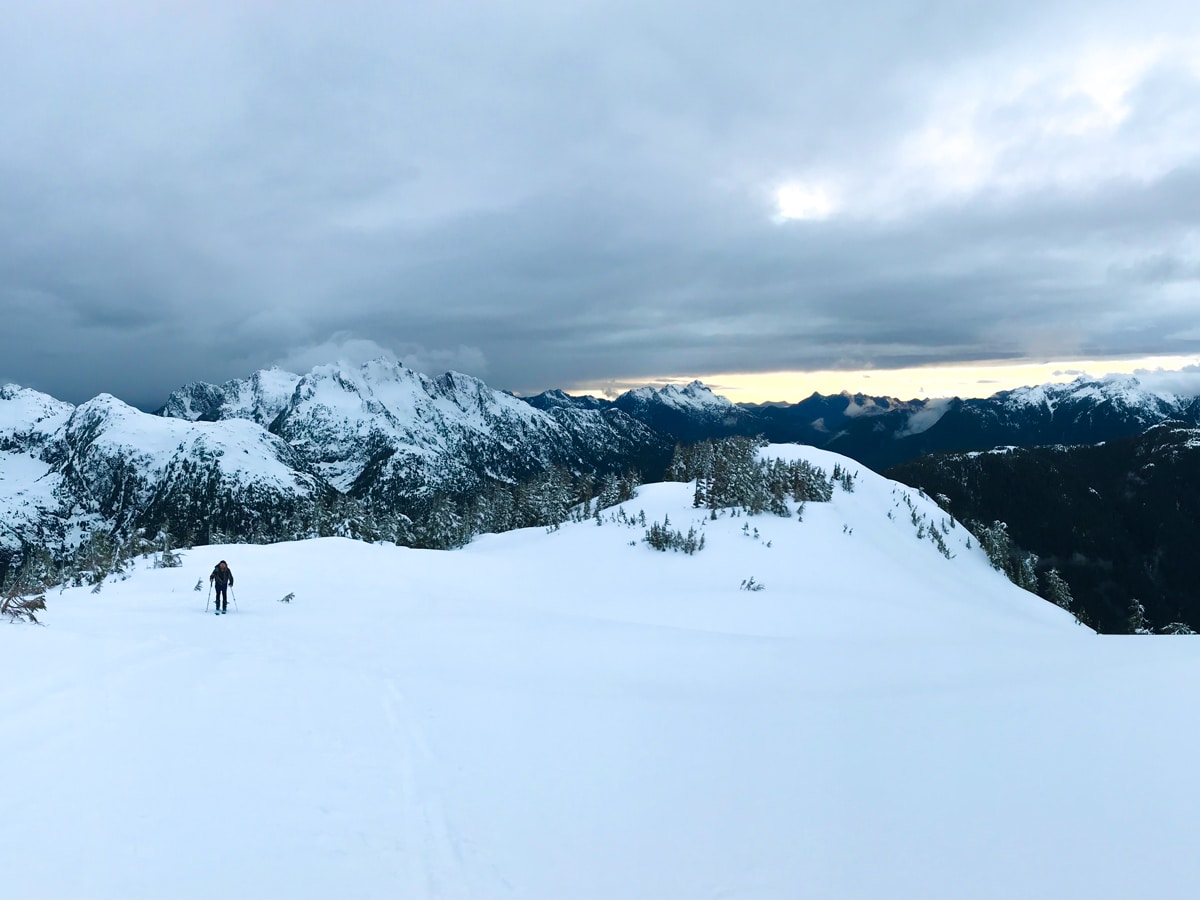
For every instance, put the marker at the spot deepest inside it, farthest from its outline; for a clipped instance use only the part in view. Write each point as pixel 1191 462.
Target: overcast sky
pixel 589 193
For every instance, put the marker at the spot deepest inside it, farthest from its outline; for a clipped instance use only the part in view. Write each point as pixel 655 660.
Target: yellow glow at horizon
pixel 967 380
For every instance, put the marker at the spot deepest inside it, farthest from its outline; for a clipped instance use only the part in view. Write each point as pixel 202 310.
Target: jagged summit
pixel 694 396
pixel 259 398
pixel 688 413
pixel 1124 392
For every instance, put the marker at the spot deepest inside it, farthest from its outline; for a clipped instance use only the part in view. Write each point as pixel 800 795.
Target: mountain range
pixel 382 451
pixel 280 455
pixel 883 431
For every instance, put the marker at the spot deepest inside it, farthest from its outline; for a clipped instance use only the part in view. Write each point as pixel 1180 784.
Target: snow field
pixel 546 715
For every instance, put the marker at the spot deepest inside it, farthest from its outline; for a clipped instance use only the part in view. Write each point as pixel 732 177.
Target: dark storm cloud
pixel 546 196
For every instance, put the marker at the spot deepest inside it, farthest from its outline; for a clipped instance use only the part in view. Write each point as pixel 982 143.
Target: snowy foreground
pixel 563 715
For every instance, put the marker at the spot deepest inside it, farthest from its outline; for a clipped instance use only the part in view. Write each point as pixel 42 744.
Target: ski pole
pixel 233 594
pixel 207 601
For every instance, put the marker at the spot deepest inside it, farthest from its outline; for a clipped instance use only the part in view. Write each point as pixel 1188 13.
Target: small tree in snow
pixel 1138 623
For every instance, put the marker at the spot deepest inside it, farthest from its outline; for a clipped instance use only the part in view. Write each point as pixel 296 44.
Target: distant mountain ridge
pixel 883 431
pixel 382 427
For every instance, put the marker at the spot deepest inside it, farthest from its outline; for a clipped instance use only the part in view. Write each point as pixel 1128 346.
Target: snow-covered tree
pixel 1056 590
pixel 1138 623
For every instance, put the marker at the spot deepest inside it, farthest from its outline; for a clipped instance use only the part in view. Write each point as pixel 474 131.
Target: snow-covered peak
pixel 693 397
pixel 29 414
pixel 106 428
pixel 386 396
pixel 1122 391
pixel 121 430
pixel 551 399
pixel 259 398
pixel 376 395
pixel 195 400
pixel 344 417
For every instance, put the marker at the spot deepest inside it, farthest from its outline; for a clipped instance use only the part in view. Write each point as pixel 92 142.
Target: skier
pixel 222 577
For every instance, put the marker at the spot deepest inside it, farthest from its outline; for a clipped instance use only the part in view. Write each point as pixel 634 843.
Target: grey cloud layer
pixel 552 196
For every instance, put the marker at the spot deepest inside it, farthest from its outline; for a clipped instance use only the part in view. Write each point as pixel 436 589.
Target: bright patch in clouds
pixel 1105 77
pixel 1015 126
pixel 798 200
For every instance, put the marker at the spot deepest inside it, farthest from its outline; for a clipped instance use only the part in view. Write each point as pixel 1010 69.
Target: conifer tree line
pixel 444 520
pixel 729 473
pixel 101 554
pixel 208 512
pixel 1116 521
pixel 1020 566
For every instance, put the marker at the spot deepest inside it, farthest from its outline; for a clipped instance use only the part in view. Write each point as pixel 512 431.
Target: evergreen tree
pixel 1056 590
pixel 1138 623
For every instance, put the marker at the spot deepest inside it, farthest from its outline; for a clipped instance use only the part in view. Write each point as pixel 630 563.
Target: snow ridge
pixel 460 712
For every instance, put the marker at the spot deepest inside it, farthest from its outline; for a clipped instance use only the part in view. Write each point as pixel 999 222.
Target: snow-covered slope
pixel 572 714
pixel 28 485
pixel 28 418
pixel 105 464
pixel 104 436
pixel 1116 395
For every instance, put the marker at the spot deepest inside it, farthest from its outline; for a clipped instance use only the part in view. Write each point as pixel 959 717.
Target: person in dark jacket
pixel 222 577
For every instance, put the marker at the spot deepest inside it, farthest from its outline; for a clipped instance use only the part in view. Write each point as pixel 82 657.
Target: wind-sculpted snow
pixel 573 714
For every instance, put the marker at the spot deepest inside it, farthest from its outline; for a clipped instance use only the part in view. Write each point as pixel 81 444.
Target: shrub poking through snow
pixel 661 536
pixel 21 607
